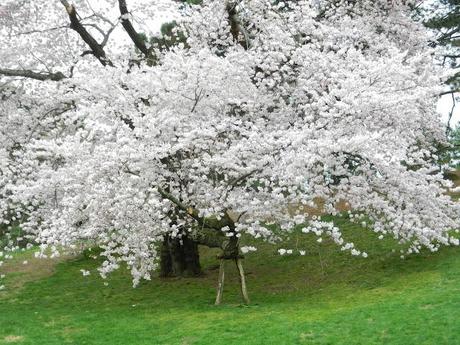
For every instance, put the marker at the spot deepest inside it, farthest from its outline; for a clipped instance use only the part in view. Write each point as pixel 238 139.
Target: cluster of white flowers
pixel 283 251
pixel 85 272
pixel 310 102
pixel 248 249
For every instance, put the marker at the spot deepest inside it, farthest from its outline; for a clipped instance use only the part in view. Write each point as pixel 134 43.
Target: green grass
pixel 325 297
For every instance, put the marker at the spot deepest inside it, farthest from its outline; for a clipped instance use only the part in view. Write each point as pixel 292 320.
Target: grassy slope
pixel 325 297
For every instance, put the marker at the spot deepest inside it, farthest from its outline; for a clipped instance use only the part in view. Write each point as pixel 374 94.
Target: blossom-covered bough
pixel 263 108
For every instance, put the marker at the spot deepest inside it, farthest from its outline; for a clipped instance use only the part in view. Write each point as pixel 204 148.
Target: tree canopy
pixel 264 109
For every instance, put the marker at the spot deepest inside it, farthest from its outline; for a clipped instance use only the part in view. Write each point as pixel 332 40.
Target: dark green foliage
pixel 169 37
pixel 447 19
pixel 443 16
pixel 450 154
pixel 454 154
pixel 11 237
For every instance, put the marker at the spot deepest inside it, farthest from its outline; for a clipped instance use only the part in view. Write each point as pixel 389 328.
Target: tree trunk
pixel 165 258
pixel 179 257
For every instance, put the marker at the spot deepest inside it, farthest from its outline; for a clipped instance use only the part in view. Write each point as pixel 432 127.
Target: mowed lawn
pixel 324 297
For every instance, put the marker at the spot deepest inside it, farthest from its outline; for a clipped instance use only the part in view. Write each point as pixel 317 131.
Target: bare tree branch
pixel 107 35
pixel 187 209
pixel 32 75
pixel 102 32
pixel 449 92
pixel 135 37
pixel 451 113
pixel 76 25
pixel 40 31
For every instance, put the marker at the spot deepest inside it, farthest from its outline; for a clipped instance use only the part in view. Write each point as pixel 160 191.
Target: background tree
pixel 443 18
pixel 455 153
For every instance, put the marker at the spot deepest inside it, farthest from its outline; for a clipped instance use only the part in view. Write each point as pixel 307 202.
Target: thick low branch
pixel 235 25
pixel 133 34
pixel 42 76
pixel 208 237
pixel 208 231
pixel 189 210
pixel 77 26
pixel 452 56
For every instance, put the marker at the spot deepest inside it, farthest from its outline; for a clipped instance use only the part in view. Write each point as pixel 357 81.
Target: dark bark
pixel 165 259
pixel 133 34
pixel 236 28
pixel 179 258
pixel 191 257
pixel 42 76
pixel 96 49
pixel 208 232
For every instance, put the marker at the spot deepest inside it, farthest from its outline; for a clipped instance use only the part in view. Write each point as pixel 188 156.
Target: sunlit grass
pixel 324 297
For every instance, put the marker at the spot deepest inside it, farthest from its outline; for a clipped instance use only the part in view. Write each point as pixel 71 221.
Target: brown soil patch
pixel 18 272
pixel 13 338
pixel 318 208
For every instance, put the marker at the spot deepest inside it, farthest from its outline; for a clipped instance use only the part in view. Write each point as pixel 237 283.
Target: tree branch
pixel 449 92
pixel 189 210
pixel 235 25
pixel 76 25
pixel 451 113
pixel 107 35
pixel 135 37
pixel 32 75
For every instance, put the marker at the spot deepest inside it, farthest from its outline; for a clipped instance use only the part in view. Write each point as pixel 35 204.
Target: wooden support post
pixel 244 291
pixel 220 286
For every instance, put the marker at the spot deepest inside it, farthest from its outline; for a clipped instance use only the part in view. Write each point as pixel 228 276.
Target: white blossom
pixel 85 272
pixel 248 249
pixel 301 108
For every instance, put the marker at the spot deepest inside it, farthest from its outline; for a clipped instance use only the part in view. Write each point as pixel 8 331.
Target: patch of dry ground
pixel 25 268
pixel 13 339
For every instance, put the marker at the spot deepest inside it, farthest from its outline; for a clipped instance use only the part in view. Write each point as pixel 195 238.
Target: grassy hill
pixel 324 297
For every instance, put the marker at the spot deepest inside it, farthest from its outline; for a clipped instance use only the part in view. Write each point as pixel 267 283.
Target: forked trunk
pixel 180 257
